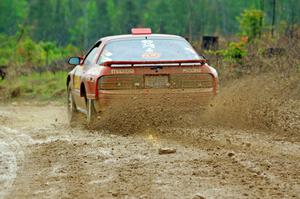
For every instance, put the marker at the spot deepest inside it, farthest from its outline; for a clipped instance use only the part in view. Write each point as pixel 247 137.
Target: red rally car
pixel 138 64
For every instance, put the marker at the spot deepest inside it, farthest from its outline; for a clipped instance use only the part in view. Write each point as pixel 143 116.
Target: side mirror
pixel 75 61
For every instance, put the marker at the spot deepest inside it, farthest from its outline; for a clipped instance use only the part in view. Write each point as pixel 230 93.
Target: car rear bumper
pixel 179 97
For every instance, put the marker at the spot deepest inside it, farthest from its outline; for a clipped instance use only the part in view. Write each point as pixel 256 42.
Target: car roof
pixel 131 36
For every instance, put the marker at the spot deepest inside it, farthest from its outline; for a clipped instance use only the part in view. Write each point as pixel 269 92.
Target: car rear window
pixel 148 50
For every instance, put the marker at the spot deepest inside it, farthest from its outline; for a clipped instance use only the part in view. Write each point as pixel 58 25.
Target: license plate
pixel 157 81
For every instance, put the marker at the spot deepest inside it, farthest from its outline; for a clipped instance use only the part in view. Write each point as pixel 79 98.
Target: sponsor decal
pixel 149 47
pixel 150 55
pixel 148 44
pixel 191 70
pixel 122 71
pixel 77 82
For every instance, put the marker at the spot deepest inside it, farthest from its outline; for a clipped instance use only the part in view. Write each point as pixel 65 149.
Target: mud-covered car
pixel 138 64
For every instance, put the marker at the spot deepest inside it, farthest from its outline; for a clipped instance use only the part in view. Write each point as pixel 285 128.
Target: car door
pixel 80 97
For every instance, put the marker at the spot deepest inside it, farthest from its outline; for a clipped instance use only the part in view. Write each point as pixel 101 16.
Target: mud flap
pixel 91 112
pixel 71 106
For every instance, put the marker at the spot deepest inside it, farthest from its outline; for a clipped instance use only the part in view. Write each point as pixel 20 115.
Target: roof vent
pixel 141 31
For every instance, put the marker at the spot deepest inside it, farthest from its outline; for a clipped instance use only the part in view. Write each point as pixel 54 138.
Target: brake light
pixel 141 31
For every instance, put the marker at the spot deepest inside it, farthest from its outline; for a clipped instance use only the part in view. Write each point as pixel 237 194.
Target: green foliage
pixel 28 53
pixel 166 16
pixel 42 86
pixel 83 22
pixel 12 13
pixel 251 23
pixel 6 49
pixel 235 51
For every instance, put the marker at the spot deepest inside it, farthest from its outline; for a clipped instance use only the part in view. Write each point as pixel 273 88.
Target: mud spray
pixel 268 102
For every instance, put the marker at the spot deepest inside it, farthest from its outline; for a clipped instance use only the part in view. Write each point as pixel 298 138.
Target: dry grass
pixel 258 60
pixel 39 86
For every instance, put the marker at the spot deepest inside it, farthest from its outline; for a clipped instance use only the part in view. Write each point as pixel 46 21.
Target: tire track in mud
pixel 8 168
pixel 252 157
pixel 12 144
pixel 54 166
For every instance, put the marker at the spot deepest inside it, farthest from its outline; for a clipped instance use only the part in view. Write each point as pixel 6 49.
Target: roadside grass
pixel 37 86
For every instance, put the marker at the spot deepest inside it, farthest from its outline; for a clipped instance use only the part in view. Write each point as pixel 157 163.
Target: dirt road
pixel 41 157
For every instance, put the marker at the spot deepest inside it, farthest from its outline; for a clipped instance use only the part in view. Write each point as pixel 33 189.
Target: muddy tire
pixel 72 111
pixel 91 112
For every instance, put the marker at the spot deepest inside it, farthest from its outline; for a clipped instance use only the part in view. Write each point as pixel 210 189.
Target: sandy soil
pixel 42 157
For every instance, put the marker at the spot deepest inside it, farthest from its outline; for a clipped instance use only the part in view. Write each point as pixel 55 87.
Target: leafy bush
pixel 25 53
pixel 7 49
pixel 29 53
pixel 235 51
pixel 251 23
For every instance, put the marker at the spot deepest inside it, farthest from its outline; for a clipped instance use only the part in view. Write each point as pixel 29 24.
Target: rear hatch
pixel 173 75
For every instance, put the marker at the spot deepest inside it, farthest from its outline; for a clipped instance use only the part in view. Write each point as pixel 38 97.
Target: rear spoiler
pixel 199 62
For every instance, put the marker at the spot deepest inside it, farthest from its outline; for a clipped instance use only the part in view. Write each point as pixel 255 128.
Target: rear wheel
pixel 91 112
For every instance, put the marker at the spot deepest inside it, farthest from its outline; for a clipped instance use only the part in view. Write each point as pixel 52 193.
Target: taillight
pixel 191 81
pixel 120 82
